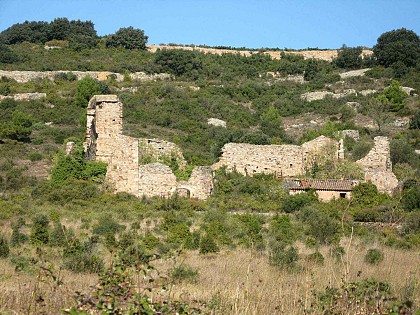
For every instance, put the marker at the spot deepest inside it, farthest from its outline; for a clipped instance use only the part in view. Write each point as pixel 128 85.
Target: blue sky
pixel 239 23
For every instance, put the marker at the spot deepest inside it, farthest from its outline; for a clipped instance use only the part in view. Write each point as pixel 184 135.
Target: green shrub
pixel 208 245
pixel 40 229
pixel 4 247
pixel 58 235
pixel 294 203
pixel 80 257
pixel 366 215
pixel 35 156
pixel 17 236
pixel 183 273
pixel 107 225
pixel 315 258
pixel 84 262
pixel 374 256
pixel 321 224
pixel 283 256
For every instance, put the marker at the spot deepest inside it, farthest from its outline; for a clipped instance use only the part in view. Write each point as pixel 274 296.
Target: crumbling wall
pixel 105 142
pixel 378 166
pixel 200 185
pixel 158 150
pixel 250 159
pixel 378 158
pixel 26 76
pixel 24 96
pixel 156 179
pixel 320 149
pixel 281 160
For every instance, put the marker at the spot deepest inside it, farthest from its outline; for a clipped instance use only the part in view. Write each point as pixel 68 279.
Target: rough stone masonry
pixel 105 142
pixel 134 164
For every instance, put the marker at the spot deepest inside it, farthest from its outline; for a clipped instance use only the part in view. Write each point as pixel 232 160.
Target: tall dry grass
pixel 234 282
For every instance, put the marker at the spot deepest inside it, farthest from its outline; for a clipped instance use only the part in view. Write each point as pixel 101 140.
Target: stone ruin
pixel 293 160
pixel 135 165
pixel 281 160
pixel 377 166
pixel 105 142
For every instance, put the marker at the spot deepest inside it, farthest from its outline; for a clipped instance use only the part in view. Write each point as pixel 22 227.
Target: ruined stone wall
pixel 26 76
pixel 156 179
pixel 159 150
pixel 200 185
pixel 24 96
pixel 250 159
pixel 105 142
pixel 281 160
pixel 379 158
pixel 378 166
pixel 319 149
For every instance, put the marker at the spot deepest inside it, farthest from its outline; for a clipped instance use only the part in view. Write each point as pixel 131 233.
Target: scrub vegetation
pixel 69 244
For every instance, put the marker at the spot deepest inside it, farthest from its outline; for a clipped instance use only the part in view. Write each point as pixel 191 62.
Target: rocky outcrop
pixel 216 122
pixel 354 73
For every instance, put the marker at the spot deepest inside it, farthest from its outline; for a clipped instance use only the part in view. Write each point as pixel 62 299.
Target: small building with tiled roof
pixel 326 189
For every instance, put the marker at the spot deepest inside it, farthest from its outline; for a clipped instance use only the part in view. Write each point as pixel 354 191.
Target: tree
pixel 7 55
pixel 178 62
pixel 88 87
pixel 378 110
pixel 129 38
pixel 395 95
pixel 398 45
pixel 271 123
pixel 19 128
pixel 415 121
pixel 349 57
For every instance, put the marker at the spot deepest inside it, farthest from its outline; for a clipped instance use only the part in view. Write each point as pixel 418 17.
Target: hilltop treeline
pixel 78 34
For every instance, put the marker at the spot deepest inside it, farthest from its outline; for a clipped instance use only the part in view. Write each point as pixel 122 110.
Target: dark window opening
pixel 342 195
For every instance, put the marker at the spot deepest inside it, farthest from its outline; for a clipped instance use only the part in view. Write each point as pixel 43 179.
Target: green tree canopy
pixel 129 38
pixel 19 128
pixel 349 57
pixel 398 45
pixel 88 87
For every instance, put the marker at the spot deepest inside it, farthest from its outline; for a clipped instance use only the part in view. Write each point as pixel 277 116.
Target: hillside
pixel 250 246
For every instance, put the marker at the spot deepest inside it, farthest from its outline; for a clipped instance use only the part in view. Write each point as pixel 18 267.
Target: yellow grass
pixel 232 282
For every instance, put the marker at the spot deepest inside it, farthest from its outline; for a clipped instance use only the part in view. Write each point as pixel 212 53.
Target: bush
pixel 182 273
pixel 294 203
pixel 374 256
pixel 17 236
pixel 283 256
pixel 208 245
pixel 398 45
pixel 415 121
pixel 107 225
pixel 58 235
pixel 349 58
pixel 88 87
pixel 4 247
pixel 129 38
pixel 40 231
pixel 315 258
pixel 80 257
pixel 321 224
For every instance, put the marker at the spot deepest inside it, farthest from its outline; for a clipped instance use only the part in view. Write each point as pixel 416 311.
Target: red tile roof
pixel 321 184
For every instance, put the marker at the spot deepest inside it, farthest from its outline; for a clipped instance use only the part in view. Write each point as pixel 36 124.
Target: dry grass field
pixel 232 282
